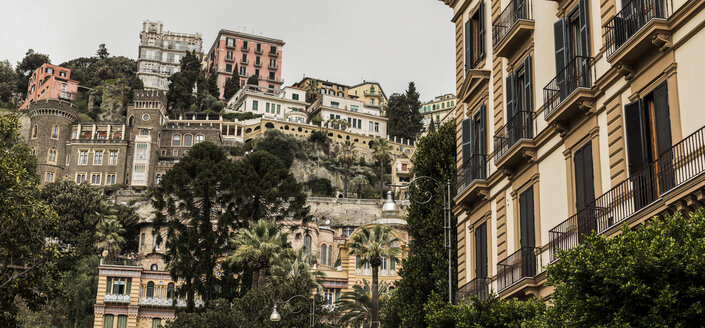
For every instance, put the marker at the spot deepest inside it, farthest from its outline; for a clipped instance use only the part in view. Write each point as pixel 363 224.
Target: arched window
pixel 392 267
pixel 122 321
pixel 131 121
pixel 52 155
pixel 34 131
pixel 170 290
pixel 150 289
pixel 154 267
pixel 330 254
pixel 188 140
pixel 307 243
pixel 176 140
pixel 199 138
pixel 155 241
pixel 324 256
pixel 108 321
pixel 156 322
pixel 55 131
pixel 32 151
pixel 357 264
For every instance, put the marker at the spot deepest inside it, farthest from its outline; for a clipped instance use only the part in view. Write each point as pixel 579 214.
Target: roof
pixel 251 36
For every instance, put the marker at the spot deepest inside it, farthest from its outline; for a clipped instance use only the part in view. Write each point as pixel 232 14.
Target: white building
pixel 287 104
pixel 361 119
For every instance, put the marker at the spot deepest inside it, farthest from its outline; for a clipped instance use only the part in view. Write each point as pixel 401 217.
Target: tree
pixel 284 146
pixel 180 95
pixel 108 236
pixel 491 313
pixel 253 80
pixel 371 245
pixel 102 52
pixel 649 276
pixel 424 271
pixel 312 91
pixel 25 225
pixel 346 155
pixel 382 152
pixel 24 69
pixel 259 247
pixel 8 82
pixel 232 85
pixel 360 185
pixel 404 115
pixel 212 85
pixel 355 307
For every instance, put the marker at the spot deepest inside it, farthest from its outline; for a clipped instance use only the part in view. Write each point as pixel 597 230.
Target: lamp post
pixel 428 196
pixel 275 316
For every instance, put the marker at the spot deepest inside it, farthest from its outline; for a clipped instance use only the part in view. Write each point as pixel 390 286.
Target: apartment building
pixel 160 53
pixel 573 116
pixel 50 81
pixel 438 110
pixel 289 103
pixel 370 93
pixel 247 55
pixel 361 119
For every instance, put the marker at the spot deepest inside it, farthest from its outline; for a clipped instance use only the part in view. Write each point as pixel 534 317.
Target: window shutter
pixel 637 141
pixel 528 90
pixel 481 34
pixel 559 42
pixel 526 212
pixel 510 96
pixel 467 139
pixel 468 45
pixel 584 178
pixel 662 120
pixel 482 131
pixel 584 31
pixel 481 251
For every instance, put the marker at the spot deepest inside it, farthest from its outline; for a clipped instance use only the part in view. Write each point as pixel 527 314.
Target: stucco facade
pixel 50 82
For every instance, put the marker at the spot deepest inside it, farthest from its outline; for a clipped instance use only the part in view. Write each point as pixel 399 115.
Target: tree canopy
pixel 403 113
pixel 26 66
pixel 8 82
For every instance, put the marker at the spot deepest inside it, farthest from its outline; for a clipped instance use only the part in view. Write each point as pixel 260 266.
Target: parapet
pixel 150 95
pixel 53 106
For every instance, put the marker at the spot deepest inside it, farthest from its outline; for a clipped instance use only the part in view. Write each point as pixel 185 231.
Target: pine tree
pixel 232 85
pixel 403 114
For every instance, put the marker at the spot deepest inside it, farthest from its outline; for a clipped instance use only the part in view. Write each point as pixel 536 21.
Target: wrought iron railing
pixel 474 168
pixel 479 287
pixel 682 162
pixel 578 73
pixel 116 298
pixel 524 263
pixel 631 19
pixel 520 126
pixel 516 10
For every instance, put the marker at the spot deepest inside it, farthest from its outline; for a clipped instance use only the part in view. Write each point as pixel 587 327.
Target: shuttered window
pixel 584 177
pixel 467 127
pixel 572 36
pixel 481 251
pixel 526 218
pixel 519 89
pixel 475 38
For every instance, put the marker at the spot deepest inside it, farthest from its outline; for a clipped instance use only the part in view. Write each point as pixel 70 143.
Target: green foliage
pixel 232 85
pixel 320 187
pixel 24 69
pixel 491 313
pixel 93 71
pixel 212 104
pixel 403 113
pixel 8 83
pixel 319 137
pixel 240 116
pixel 317 120
pixel 102 52
pixel 382 152
pixel 253 80
pixel 108 236
pixel 424 271
pixel 180 96
pixel 346 155
pixel 26 259
pixel 361 186
pixel 284 146
pixel 312 91
pixel 338 124
pixel 212 85
pixel 354 307
pixel 651 276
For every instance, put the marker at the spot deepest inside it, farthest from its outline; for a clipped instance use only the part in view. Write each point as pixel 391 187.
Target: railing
pixel 473 169
pixel 121 262
pixel 273 54
pixel 65 95
pixel 157 301
pixel 631 19
pixel 524 263
pixel 520 126
pixel 578 73
pixel 116 298
pixel 516 10
pixel 682 162
pixel 479 287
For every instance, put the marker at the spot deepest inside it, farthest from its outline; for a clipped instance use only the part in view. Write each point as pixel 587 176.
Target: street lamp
pixel 275 316
pixel 445 187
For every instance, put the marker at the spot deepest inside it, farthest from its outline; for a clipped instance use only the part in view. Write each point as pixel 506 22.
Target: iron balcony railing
pixel 479 287
pixel 116 298
pixel 578 73
pixel 524 263
pixel 120 262
pixel 682 162
pixel 516 10
pixel 474 168
pixel 631 19
pixel 520 126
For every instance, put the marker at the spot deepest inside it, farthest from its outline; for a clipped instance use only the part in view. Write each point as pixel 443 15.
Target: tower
pixel 145 119
pixel 50 128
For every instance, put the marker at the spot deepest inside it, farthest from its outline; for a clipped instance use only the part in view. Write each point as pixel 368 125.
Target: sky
pixel 391 42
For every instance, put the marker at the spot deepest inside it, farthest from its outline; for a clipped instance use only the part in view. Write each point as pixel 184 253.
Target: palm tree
pixel 108 236
pixel 382 152
pixel 260 246
pixel 371 245
pixel 298 270
pixel 356 305
pixel 347 157
pixel 312 90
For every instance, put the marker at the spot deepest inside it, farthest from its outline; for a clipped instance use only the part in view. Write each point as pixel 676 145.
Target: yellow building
pixel 439 110
pixel 370 93
pixel 325 87
pixel 573 116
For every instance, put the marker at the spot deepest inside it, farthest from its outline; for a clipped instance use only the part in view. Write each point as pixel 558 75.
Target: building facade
pixel 370 93
pixel 50 81
pixel 325 87
pixel 160 53
pixel 573 116
pixel 247 55
pixel 361 119
pixel 438 110
pixel 288 102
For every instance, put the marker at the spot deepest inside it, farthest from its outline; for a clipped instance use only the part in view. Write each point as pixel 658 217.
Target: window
pixel 80 177
pixel 354 108
pixel 229 55
pixel 62 74
pixel 83 157
pixel 266 107
pixel 142 237
pixel 55 132
pixel 51 157
pixel 520 97
pixel 170 290
pixel 295 96
pixel 98 157
pixel 257 72
pixel 272 49
pixel 145 117
pixel 307 243
pixel 150 289
pixel 108 321
pixel 141 151
pixel 155 241
pixel 118 286
pixel 334 104
pixel 95 178
pixel 272 63
pixel 156 322
pixel 49 177
pixel 392 267
pixel 571 38
pixel 330 254
pixel 122 321
pixel 159 178
pixel 176 140
pixel 372 126
pixel 347 231
pixel 383 268
pixel 188 139
pixel 34 131
pixel 475 38
pixel 175 152
pixel 110 179
pixel 244 44
pixel 481 251
pixel 255 104
pixel 154 267
pixel 228 68
pixel 199 138
pixel 113 159
pixel 244 58
pixel 131 121
pixel 230 42
pixel 324 255
pixel 243 71
pixel 376 127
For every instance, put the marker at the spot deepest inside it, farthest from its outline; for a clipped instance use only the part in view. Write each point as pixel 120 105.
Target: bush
pixel 321 187
pixel 491 313
pixel 318 137
pixel 240 116
pixel 279 144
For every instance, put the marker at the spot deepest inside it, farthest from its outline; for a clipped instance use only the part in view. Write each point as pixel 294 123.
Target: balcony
pixel 512 28
pixel 231 58
pixel 513 143
pixel 258 64
pixel 244 62
pixel 520 266
pixel 273 67
pixel 674 168
pixel 635 30
pixel 479 287
pixel 273 54
pixel 258 51
pixel 570 93
pixel 245 48
pixel 65 95
pixel 117 298
pixel 471 184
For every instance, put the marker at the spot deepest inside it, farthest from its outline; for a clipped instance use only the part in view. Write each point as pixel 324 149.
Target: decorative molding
pixel 560 127
pixel 627 70
pixel 483 193
pixel 594 132
pixel 662 41
pixel 535 178
pixel 567 153
pixel 529 154
pixel 671 69
pixel 509 174
pixel 587 106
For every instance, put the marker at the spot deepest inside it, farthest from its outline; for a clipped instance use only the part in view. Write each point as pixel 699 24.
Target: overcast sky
pixel 388 41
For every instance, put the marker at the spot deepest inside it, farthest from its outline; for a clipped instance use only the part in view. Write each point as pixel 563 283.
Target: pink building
pixel 250 54
pixel 50 81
